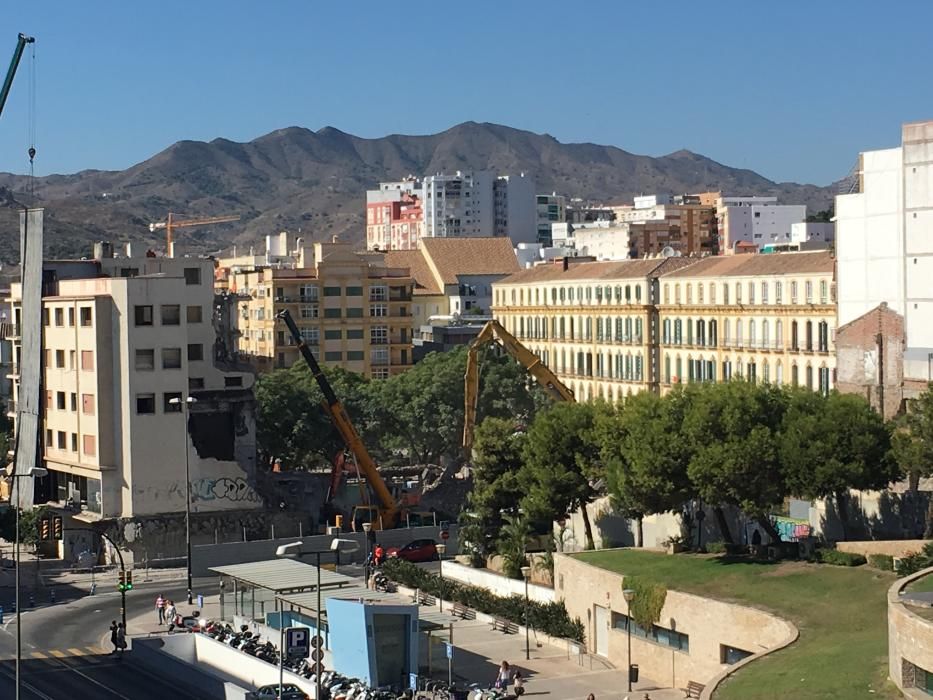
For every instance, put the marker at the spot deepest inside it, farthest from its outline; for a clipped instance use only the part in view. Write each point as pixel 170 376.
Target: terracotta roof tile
pixel 820 261
pixel 621 269
pixel 425 282
pixel 450 257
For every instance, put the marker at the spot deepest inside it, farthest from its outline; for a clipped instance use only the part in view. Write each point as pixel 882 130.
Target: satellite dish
pixel 668 252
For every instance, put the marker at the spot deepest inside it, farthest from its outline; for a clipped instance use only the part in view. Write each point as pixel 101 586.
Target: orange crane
pixel 170 224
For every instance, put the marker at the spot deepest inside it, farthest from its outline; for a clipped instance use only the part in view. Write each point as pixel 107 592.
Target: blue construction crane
pixel 21 42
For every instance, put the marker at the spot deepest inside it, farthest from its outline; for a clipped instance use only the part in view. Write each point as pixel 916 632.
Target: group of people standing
pixel 168 613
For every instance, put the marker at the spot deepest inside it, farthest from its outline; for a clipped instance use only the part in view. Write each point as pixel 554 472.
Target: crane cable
pixel 31 120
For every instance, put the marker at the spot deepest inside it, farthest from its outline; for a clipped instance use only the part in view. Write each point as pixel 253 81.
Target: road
pixel 65 648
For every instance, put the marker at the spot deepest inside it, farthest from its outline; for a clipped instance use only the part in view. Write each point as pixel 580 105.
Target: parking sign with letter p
pixel 298 642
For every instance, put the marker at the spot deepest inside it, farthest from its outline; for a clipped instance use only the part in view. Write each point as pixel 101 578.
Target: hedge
pixel 837 558
pixel 550 618
pixel 885 562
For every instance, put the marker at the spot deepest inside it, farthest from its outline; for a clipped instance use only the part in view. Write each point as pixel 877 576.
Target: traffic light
pixel 129 580
pixel 58 527
pixel 122 585
pixel 45 529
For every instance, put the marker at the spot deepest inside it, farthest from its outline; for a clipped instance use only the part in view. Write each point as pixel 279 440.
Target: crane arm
pixel 344 426
pixel 21 42
pixel 495 332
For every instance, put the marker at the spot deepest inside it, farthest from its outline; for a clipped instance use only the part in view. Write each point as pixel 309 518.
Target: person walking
pixel 504 676
pixel 121 638
pixel 380 555
pixel 160 608
pixel 518 684
pixel 113 636
pixel 591 697
pixel 170 614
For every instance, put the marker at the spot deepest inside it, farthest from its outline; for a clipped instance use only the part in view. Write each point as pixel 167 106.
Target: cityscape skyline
pixel 780 117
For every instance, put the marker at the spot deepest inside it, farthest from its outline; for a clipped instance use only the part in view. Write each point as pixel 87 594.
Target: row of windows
pixel 62 403
pixel 704 333
pixel 621 329
pixel 171 357
pixel 657 634
pixel 87 359
pixel 59 440
pixel 86 316
pixel 626 367
pixel 170 314
pixel 705 370
pixel 559 295
pixel 706 294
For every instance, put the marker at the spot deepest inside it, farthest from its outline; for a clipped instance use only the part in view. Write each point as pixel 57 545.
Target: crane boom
pixel 21 42
pixel 170 224
pixel 389 509
pixel 494 332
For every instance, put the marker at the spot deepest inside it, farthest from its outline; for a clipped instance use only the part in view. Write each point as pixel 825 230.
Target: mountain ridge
pixel 295 177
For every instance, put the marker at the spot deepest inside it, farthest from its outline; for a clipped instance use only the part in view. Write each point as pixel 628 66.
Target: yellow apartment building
pixel 768 318
pixel 353 310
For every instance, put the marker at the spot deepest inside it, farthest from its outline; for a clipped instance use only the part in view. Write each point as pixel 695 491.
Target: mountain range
pixel 316 181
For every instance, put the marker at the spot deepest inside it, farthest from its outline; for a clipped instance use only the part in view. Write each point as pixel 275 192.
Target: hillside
pixel 295 178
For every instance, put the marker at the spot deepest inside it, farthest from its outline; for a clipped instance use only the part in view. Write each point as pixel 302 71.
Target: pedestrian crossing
pixel 92 653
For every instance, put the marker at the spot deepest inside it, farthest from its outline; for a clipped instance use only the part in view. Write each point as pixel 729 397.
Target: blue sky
pixel 792 90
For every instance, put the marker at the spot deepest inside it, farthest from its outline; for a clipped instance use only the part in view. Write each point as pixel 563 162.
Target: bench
pixel 500 624
pixel 694 689
pixel 463 612
pixel 423 598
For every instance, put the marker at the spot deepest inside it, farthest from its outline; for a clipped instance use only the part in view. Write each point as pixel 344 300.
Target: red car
pixel 416 551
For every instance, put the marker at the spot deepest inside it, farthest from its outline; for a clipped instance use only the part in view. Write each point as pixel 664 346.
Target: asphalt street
pixel 66 647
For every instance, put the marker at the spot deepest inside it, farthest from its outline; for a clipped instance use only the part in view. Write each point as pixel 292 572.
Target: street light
pixel 441 548
pixel 526 574
pixel 367 528
pixel 293 550
pixel 185 409
pixel 629 596
pixel 35 473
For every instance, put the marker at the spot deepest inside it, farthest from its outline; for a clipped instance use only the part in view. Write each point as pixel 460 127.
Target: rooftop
pixel 804 262
pixel 450 257
pixel 414 260
pixel 282 575
pixel 614 270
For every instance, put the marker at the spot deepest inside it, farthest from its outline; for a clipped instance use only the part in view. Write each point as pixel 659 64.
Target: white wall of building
pixel 520 209
pixel 803 232
pixel 603 242
pixel 465 197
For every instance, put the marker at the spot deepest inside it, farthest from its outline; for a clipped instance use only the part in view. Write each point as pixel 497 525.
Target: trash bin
pixel 633 673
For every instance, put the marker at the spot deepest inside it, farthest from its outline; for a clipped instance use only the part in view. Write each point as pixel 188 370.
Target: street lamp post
pixel 441 549
pixel 629 596
pixel 367 528
pixel 185 410
pixel 293 551
pixel 526 574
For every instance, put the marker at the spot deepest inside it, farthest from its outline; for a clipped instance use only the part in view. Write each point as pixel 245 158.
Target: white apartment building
pixel 755 221
pixel 550 209
pixel 515 209
pixel 127 341
pixel 813 232
pixel 603 240
pixel 884 242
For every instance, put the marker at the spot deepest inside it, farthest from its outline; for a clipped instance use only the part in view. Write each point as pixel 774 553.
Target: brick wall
pixel 871 368
pixel 896 548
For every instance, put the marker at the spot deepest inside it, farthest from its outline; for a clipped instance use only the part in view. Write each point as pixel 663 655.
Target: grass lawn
pixel 924 584
pixel 840 612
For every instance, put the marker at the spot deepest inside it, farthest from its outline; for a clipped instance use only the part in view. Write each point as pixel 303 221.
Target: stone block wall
pixel 910 638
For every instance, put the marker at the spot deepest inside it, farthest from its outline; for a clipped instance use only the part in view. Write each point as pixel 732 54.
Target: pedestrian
pixel 160 608
pixel 504 676
pixel 591 697
pixel 113 636
pixel 380 555
pixel 121 638
pixel 518 684
pixel 170 613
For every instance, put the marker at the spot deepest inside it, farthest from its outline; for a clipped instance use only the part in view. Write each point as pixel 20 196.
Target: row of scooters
pixel 334 686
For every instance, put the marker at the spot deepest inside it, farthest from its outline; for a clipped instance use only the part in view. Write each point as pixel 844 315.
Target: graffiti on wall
pixel 791 529
pixel 235 490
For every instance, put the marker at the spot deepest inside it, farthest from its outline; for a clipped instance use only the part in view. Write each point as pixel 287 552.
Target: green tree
pixel 562 462
pixel 497 460
pixel 512 544
pixel 732 434
pixel 646 459
pixel 833 444
pixel 913 444
pixel 28 525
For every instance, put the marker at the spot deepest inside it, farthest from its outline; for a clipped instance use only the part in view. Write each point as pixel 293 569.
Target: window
pixel 231 382
pixel 74 401
pixel 48 437
pixel 143 315
pixel 308 292
pixel 732 655
pixel 195 352
pixel 357 312
pixel 308 311
pixel 378 310
pixel 778 292
pixel 60 359
pixel 87 404
pixel 59 317
pixel 725 294
pixel 145 404
pixel 333 334
pixel 751 292
pixel 764 292
pixel 378 335
pixel 808 287
pixel 87 360
pixel 794 340
pixel 333 356
pixel 657 634
pixel 355 355
pixel 145 359
pixel 309 336
pixel 332 291
pixel 85 316
pixel 171 315
pixel 809 335
pixel 381 293
pixel 60 400
pixel 354 291
pixel 171 358
pixel 90 445
pixel 192 275
pixel 74 442
pixel 72 354
pixel 195 383
pixel 793 292
pixel 193 314
pixel 712 293
pixel 167 405
pixel 71 322
pixel 45 317
pixel 62 440
pixel 354 334
pixel 332 313
pixel 824 292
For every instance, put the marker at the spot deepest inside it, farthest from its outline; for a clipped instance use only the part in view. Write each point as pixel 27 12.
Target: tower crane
pixel 170 224
pixel 21 42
